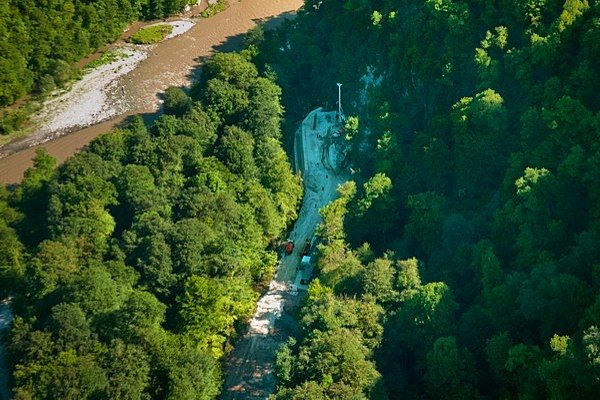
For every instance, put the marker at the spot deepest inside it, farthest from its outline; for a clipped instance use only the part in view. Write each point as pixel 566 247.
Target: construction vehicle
pixel 288 246
pixel 305 263
pixel 306 248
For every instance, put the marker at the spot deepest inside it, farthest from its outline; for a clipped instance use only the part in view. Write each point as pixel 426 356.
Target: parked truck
pixel 306 248
pixel 288 246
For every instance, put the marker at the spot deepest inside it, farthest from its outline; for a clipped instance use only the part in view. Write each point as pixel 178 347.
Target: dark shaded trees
pixel 484 119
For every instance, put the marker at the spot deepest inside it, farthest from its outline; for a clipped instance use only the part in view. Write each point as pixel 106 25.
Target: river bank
pixel 173 62
pixel 40 109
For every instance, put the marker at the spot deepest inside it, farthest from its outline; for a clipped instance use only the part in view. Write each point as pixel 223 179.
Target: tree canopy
pixel 474 211
pixel 135 263
pixel 41 41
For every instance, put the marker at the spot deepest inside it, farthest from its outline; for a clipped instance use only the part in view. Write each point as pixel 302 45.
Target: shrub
pixel 151 34
pixel 215 8
pixel 106 58
pixel 11 121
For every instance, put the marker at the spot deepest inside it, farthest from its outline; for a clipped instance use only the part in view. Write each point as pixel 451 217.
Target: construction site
pixel 319 154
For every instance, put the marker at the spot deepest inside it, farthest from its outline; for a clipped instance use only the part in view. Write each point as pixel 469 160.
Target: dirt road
pixel 250 372
pixel 170 63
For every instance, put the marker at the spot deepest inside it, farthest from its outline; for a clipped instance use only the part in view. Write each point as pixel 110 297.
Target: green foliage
pixel 192 374
pixel 33 196
pixel 107 57
pixel 332 227
pixel 339 267
pixel 530 177
pixel 55 264
pixel 571 10
pixel 424 226
pixel 237 148
pixel 408 280
pixel 12 120
pixel 479 126
pixel 336 358
pixel 134 264
pixel 151 34
pixel 308 390
pixel 445 370
pixel 333 362
pixel 176 102
pixel 212 9
pixel 378 280
pixel 351 126
pixel 129 367
pixel 12 251
pixel 485 117
pixel 209 309
pixel 96 292
pixel 376 17
pixel 376 187
pixel 430 312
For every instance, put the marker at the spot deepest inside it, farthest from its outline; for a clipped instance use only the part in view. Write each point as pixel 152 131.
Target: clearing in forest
pixel 318 155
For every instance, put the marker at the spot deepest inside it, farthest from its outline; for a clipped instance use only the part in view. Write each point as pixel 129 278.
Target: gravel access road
pixel 250 373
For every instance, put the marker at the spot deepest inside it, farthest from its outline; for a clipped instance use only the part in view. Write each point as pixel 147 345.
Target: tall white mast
pixel 340 102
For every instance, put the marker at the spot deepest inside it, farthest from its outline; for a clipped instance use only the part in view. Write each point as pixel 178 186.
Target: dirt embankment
pixel 173 62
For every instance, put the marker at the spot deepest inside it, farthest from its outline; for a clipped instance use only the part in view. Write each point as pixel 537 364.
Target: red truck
pixel 288 247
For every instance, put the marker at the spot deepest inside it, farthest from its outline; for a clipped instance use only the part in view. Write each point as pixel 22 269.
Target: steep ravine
pixel 250 373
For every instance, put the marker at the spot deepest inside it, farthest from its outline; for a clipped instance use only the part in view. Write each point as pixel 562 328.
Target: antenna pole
pixel 340 101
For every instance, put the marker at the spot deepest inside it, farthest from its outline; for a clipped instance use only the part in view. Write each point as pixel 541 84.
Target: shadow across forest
pixel 237 42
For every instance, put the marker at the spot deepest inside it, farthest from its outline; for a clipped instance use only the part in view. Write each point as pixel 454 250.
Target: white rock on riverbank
pixel 87 101
pixel 179 28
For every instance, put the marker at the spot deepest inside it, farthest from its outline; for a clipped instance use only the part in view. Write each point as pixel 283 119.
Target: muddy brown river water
pixel 170 63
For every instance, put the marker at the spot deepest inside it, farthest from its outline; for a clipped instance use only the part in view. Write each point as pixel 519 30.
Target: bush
pixel 11 121
pixel 45 85
pixel 62 72
pixel 106 58
pixel 152 34
pixel 215 8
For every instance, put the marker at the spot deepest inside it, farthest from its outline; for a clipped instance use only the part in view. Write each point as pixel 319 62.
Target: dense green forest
pixel 41 40
pixel 134 264
pixel 463 262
